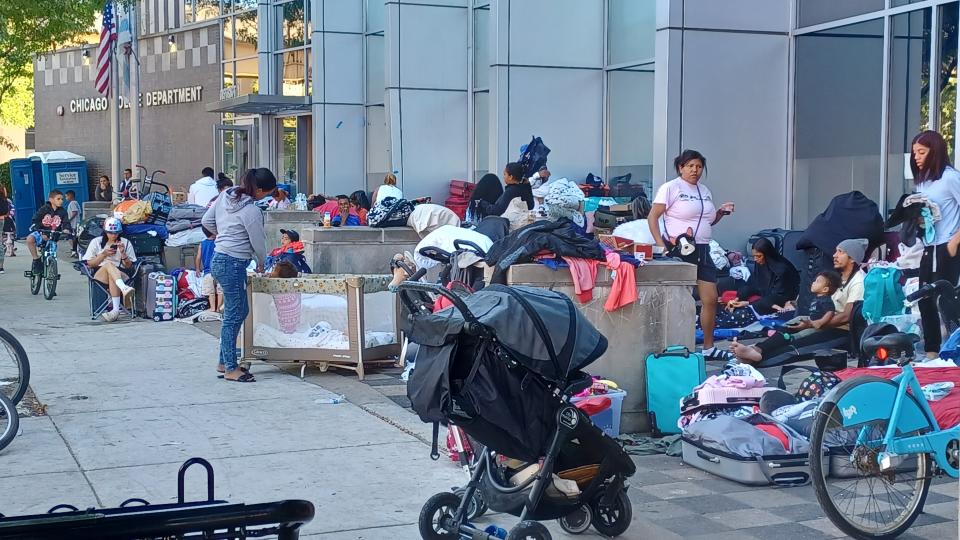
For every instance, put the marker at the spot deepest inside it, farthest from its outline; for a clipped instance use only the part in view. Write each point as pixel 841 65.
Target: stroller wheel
pixel 529 530
pixel 612 519
pixel 578 521
pixel 477 506
pixel 437 517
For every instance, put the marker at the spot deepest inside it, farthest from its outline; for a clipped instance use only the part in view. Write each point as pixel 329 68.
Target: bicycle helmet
pixel 112 225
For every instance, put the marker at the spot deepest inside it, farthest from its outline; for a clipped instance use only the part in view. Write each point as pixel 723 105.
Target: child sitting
pixel 822 307
pixel 291 249
pixel 208 285
pixel 286 304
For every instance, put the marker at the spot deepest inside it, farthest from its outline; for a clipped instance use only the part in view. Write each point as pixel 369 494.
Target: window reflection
pixel 246 33
pixel 292 72
pixel 248 76
pixel 290 21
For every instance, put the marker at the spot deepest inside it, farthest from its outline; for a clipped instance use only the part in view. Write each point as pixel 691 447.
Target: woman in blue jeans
pixel 237 224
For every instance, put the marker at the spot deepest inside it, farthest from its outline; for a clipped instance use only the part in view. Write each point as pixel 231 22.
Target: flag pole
pixel 114 119
pixel 134 86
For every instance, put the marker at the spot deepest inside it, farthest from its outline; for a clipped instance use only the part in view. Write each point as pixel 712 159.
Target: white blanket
pixel 443 238
pixel 427 218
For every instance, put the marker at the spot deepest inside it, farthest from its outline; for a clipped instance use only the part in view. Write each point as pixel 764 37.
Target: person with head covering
pixel 488 190
pixel 847 298
pixel 774 280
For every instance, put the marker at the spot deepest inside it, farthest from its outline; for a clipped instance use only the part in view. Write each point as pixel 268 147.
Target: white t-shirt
pixel 946 193
pixel 688 206
pixel 74 206
pixel 386 190
pixel 849 292
pixel 96 248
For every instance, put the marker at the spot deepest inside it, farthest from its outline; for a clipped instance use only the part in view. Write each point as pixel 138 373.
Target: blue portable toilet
pixel 28 194
pixel 64 171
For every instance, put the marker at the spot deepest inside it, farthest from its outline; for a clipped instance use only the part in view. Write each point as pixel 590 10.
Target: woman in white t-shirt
pixel 687 208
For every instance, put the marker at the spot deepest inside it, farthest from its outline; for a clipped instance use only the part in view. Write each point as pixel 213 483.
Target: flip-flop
pixel 246 377
pixel 241 368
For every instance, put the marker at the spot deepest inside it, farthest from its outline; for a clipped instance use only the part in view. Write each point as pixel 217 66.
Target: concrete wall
pixel 177 138
pixel 722 88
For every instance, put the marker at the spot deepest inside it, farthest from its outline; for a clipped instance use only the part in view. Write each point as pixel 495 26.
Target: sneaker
pixel 1 271
pixel 125 290
pixel 37 267
pixel 111 316
pixel 716 355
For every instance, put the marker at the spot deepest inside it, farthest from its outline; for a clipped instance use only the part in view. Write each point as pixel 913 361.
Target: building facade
pixel 792 101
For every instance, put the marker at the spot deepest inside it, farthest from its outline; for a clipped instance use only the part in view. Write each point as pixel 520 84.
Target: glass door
pixel 234 149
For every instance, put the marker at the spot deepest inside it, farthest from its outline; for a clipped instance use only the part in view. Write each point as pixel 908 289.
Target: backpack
pixel 882 293
pixel 390 212
pixel 533 156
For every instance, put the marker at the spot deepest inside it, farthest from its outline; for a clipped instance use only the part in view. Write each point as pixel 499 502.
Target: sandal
pixel 241 368
pixel 246 377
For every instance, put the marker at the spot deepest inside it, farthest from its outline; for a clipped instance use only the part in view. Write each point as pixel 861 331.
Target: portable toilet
pixel 64 171
pixel 28 193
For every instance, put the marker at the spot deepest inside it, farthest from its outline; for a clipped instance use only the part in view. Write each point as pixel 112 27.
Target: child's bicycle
pixel 49 274
pixel 886 435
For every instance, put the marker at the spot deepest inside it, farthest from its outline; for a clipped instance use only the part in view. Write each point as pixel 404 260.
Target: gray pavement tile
pixel 750 517
pixel 793 531
pixel 771 498
pixel 946 510
pixel 651 478
pixel 402 401
pixel 36 449
pixel 675 490
pixel 692 525
pixel 710 504
pixel 722 485
pixel 800 512
pixel 688 473
pixel 660 510
pixel 825 526
pixel 934 497
pixel 928 518
pixel 940 531
pixel 37 493
pixel 730 535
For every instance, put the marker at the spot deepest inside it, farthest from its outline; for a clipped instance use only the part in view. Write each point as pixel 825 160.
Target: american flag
pixel 108 35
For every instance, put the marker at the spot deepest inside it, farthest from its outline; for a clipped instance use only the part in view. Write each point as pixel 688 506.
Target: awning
pixel 260 104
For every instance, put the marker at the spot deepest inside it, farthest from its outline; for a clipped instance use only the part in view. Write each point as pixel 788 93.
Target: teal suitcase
pixel 671 375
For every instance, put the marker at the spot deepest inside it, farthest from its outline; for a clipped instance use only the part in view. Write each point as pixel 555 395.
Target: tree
pixel 32 27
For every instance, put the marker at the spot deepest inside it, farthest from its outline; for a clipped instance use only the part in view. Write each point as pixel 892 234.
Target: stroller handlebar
pixel 463 245
pixel 931 289
pixel 472 326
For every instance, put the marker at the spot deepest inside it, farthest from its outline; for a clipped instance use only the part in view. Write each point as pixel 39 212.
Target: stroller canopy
pixel 542 329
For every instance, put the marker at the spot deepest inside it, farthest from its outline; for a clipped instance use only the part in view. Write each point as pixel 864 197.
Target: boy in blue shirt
pixel 208 286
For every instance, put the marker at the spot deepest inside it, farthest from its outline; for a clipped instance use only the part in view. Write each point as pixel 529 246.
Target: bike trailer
pixel 671 375
pixel 754 450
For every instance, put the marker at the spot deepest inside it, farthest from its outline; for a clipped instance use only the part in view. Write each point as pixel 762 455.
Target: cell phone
pixel 115 247
pixel 723 212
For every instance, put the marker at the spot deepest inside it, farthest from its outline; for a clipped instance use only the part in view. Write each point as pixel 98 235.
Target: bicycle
pixel 14 378
pixel 886 436
pixel 49 274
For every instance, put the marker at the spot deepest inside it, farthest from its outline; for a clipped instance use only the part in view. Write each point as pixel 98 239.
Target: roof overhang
pixel 260 104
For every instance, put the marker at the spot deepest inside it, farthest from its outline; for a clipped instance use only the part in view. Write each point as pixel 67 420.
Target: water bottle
pixel 326 219
pixel 339 398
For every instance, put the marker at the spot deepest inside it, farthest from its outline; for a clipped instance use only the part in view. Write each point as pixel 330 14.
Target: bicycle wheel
pixel 14 368
pixel 50 278
pixel 36 281
pixel 859 498
pixel 9 421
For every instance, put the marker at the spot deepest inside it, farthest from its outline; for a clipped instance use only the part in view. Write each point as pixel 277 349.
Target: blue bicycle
pixel 49 274
pixel 882 444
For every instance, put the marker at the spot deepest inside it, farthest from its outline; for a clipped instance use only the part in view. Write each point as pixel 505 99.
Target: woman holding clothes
pixel 237 224
pixel 940 182
pixel 687 207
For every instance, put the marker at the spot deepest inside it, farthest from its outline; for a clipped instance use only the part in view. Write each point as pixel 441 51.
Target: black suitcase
pixel 604 218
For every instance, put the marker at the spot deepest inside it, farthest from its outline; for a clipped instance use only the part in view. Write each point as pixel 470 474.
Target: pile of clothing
pixel 184 225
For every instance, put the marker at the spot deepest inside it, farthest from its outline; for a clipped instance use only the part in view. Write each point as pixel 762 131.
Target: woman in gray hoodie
pixel 237 224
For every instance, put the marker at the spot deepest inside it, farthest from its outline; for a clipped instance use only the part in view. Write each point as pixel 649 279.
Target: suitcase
pixel 161 296
pixel 149 266
pixel 670 376
pixel 458 205
pixel 461 188
pixel 711 396
pixel 781 470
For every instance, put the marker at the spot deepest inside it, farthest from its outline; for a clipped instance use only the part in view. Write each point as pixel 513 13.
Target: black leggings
pixel 948 268
pixel 778 348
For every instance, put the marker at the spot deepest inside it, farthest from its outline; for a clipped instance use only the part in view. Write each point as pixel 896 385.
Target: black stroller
pixel 502 365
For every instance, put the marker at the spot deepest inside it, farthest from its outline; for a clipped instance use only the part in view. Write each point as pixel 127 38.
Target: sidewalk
pixel 128 402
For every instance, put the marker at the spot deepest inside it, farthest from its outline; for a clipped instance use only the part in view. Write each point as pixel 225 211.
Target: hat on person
pixel 293 235
pixel 856 248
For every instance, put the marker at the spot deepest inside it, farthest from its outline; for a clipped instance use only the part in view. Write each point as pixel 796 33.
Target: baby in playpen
pixel 286 304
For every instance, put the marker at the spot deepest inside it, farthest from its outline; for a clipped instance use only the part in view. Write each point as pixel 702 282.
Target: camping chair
pixel 99 293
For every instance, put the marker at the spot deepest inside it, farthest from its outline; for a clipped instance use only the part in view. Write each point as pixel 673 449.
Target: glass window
pixel 838 96
pixel 631 30
pixel 200 10
pixel 904 2
pixel 246 30
pixel 306 13
pixel 630 125
pixel 248 76
pixel 376 16
pixel 481 48
pixel 228 41
pixel 229 77
pixel 307 60
pixel 287 157
pixel 290 25
pixel 909 96
pixel 376 77
pixel 819 11
pixel 949 20
pixel 292 72
pixel 240 5
pixel 481 133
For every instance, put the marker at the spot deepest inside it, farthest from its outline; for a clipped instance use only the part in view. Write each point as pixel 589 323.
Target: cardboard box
pixel 620 208
pixel 640 251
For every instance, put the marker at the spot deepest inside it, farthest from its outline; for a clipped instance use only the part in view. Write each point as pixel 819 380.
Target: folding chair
pixel 99 293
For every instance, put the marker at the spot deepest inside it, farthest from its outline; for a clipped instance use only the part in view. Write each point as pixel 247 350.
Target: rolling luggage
pixel 461 188
pixel 149 265
pixel 605 218
pixel 161 296
pixel 670 376
pixel 755 450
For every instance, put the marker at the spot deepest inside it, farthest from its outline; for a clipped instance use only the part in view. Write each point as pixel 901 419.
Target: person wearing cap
pixel 936 180
pixel 112 256
pixel 291 249
pixel 847 259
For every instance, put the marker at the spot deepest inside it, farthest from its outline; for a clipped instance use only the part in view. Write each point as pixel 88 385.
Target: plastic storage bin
pixel 609 419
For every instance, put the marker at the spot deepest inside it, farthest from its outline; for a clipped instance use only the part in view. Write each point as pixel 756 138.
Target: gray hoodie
pixel 238 226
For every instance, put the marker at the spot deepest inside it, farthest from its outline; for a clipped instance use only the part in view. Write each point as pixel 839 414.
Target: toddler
pixel 822 307
pixel 286 304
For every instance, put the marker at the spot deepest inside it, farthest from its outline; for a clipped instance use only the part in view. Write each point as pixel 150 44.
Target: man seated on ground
pixel 112 256
pixel 846 260
pixel 50 217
